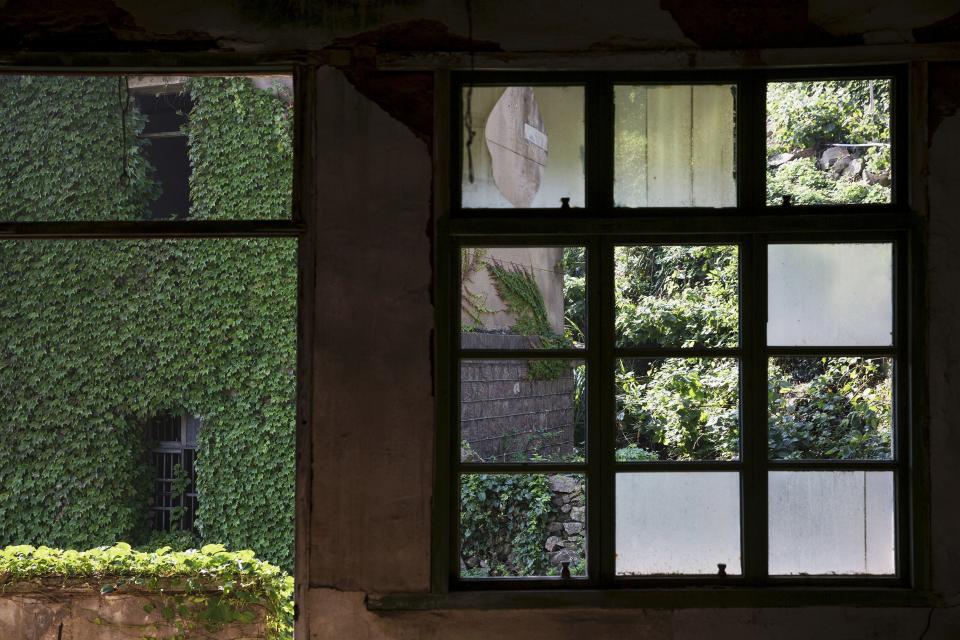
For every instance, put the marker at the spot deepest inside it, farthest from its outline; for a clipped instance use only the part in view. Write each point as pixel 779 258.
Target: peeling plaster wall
pixel 257 26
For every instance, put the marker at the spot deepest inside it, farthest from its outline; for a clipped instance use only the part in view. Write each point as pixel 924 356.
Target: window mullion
pixel 753 410
pixel 603 350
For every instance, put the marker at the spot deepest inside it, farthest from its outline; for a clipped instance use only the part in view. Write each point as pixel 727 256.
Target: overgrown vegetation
pixel 195 593
pixel 828 142
pixel 98 336
pixel 687 296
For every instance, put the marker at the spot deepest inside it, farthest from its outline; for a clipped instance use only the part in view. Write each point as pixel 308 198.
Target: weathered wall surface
pixel 257 26
pixel 92 616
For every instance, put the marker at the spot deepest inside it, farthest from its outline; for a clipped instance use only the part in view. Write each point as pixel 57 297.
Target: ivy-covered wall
pixel 97 336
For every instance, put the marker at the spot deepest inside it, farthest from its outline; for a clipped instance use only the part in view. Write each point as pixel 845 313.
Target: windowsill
pixel 674 598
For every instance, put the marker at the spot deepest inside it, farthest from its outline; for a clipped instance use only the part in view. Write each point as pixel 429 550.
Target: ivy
pixel 518 290
pixel 98 336
pixel 196 592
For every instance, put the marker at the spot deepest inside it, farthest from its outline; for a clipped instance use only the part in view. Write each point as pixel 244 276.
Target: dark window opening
pixel 167 152
pixel 174 453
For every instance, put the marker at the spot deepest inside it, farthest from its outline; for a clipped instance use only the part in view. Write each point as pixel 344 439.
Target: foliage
pixel 678 296
pixel 830 408
pixel 503 524
pixel 199 591
pixel 804 118
pixel 518 290
pixel 682 409
pixel 802 115
pixel 808 185
pixel 98 336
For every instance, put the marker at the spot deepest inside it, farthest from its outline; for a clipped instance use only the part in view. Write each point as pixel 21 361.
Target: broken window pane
pixel 523 410
pixel 674 146
pixel 831 522
pixel 828 142
pixel 514 525
pixel 830 294
pixel 831 408
pixel 523 297
pixel 677 409
pixel 522 147
pixel 676 296
pixel 88 148
pixel 678 523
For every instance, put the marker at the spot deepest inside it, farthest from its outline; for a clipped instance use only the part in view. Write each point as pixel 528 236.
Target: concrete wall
pixel 543 263
pixel 370 472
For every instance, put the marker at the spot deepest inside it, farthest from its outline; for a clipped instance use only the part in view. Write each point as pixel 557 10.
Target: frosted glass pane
pixel 677 523
pixel 829 141
pixel 677 409
pixel 831 522
pixel 522 147
pixel 676 295
pixel 831 408
pixel 674 146
pixel 523 297
pixel 830 294
pixel 522 525
pixel 523 410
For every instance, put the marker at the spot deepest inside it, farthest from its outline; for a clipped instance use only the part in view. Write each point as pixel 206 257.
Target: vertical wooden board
pixel 669 177
pixel 713 147
pixel 630 147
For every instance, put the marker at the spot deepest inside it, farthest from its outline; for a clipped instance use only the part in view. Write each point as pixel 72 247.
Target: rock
pixel 557 501
pixel 809 152
pixel 563 484
pixel 473 562
pixel 882 178
pixel 832 157
pixel 553 543
pixel 779 159
pixel 852 170
pixel 565 508
pixel 554 527
pixel 572 528
pixel 578 514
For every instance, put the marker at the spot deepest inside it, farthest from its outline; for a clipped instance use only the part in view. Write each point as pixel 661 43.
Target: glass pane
pixel 522 525
pixel 676 296
pixel 523 297
pixel 831 522
pixel 677 409
pixel 79 148
pixel 828 142
pixel 523 410
pixel 675 146
pixel 522 147
pixel 119 358
pixel 678 523
pixel 830 294
pixel 831 408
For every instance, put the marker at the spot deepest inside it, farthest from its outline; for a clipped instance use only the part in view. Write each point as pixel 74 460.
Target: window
pixel 174 441
pixel 136 278
pixel 674 332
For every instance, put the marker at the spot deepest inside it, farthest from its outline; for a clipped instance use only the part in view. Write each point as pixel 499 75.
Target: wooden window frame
pixel 599 226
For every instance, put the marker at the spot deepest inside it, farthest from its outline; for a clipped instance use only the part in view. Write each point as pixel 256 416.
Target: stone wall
pixel 567 522
pixel 508 416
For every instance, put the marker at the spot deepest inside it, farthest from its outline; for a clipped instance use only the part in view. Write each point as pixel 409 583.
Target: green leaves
pixel 97 336
pixel 194 590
